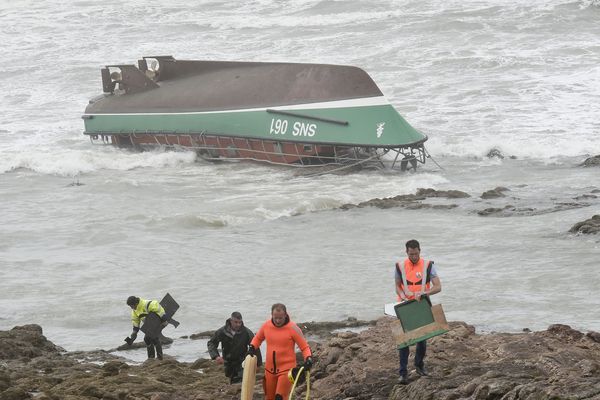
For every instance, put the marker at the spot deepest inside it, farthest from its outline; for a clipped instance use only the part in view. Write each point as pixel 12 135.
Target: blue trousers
pixel 419 357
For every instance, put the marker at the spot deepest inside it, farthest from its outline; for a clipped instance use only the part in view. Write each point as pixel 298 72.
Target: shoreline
pixel 558 363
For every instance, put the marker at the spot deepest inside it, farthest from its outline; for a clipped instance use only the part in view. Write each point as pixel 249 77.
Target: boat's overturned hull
pixel 299 114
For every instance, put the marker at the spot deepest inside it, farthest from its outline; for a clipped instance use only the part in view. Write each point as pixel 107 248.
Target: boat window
pixel 307 148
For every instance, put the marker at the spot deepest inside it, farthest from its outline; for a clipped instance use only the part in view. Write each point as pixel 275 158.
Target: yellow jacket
pixel 144 308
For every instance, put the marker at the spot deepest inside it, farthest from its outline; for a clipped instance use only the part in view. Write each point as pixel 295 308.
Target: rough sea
pixel 83 226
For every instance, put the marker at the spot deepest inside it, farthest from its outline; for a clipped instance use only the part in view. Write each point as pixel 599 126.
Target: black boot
pixel 159 353
pixel 150 349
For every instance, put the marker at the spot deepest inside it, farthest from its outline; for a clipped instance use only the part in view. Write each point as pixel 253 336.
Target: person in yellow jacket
pixel 140 308
pixel 415 278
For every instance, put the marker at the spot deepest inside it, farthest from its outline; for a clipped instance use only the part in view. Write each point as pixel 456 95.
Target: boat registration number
pixel 282 126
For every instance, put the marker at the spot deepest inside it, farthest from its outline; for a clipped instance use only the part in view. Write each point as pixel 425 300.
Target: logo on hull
pixel 380 129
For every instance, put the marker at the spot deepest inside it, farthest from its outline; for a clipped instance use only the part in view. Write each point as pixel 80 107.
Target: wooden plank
pixel 249 377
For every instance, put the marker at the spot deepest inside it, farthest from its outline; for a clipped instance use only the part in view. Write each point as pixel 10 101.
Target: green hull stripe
pixel 421 338
pixel 377 125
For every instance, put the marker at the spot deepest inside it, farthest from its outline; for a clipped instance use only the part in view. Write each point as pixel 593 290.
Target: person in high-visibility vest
pixel 140 308
pixel 415 278
pixel 282 336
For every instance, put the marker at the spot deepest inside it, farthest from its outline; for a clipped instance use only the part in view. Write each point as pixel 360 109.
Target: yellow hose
pixel 296 381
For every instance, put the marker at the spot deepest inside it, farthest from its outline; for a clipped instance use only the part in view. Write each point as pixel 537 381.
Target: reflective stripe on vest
pixel 409 288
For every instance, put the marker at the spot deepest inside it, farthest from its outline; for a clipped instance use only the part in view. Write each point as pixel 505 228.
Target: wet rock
pixel 201 363
pixel 466 365
pixel 585 197
pixel 591 162
pixel 564 332
pixel 15 393
pixel 495 153
pixel 4 380
pixel 595 336
pixel 113 367
pixel 559 362
pixel 496 210
pixel 450 194
pixel 202 335
pixel 140 344
pixel 25 342
pixel 412 201
pixel 494 193
pixel 325 329
pixel 589 226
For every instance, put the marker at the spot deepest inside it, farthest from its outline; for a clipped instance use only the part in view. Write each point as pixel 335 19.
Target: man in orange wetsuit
pixel 415 277
pixel 282 335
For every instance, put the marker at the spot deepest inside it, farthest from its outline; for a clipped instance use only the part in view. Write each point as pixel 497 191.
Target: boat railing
pixel 305 155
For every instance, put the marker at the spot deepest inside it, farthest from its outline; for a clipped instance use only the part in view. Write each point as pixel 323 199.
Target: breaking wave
pixel 69 163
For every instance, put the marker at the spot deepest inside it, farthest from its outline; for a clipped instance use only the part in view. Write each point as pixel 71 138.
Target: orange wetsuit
pixel 281 356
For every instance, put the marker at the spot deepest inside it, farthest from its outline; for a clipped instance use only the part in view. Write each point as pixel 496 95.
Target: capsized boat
pixel 283 113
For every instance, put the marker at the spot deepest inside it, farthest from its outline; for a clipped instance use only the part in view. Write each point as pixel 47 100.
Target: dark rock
pixel 201 363
pixel 589 226
pixel 595 336
pixel 557 363
pixel 25 342
pixel 140 344
pixel 325 329
pixel 14 393
pixel 496 210
pixel 591 162
pixel 412 201
pixel 495 153
pixel 92 391
pixel 202 335
pixel 4 380
pixel 450 194
pixel 463 364
pixel 494 193
pixel 113 367
pixel 585 197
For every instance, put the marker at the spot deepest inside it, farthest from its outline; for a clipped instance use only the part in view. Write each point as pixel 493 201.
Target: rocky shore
pixel 351 363
pixel 499 202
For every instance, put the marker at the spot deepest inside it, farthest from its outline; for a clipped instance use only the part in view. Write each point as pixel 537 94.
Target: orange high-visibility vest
pixel 414 278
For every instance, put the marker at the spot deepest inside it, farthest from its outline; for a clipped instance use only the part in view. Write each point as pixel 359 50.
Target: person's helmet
pixel 133 301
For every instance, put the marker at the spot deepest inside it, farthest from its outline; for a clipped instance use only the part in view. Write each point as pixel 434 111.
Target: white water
pixel 523 77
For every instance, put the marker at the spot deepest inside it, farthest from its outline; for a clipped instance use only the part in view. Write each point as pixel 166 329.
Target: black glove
pixel 251 351
pixel 131 338
pixel 308 363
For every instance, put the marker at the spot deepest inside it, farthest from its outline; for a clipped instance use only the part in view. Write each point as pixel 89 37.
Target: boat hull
pixel 269 123
pixel 375 125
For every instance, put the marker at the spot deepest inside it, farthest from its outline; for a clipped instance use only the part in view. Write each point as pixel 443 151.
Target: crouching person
pixel 140 309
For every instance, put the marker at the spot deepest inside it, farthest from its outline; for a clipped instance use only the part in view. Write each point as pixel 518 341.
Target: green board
pixel 414 314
